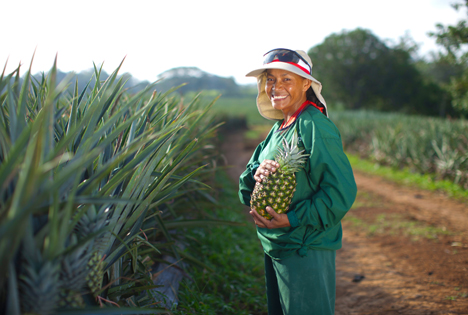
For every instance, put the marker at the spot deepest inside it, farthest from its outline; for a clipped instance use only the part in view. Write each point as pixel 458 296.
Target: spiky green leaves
pixel 39 284
pixel 93 167
pixel 290 158
pixel 74 267
pixel 93 222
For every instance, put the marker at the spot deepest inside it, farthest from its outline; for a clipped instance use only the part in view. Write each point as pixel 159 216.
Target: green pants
pixel 301 285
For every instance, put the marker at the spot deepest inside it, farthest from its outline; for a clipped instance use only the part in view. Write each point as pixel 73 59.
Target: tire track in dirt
pixel 401 276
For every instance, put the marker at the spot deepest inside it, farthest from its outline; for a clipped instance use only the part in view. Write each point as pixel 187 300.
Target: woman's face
pixel 286 90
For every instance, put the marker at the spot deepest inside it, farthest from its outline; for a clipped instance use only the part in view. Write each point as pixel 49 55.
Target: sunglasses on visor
pixel 288 56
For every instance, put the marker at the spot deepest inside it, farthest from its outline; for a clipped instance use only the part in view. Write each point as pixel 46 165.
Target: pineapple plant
pixel 38 284
pixel 78 174
pixel 277 189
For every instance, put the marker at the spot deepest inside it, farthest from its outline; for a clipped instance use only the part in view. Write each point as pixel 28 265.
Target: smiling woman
pixel 286 91
pixel 300 244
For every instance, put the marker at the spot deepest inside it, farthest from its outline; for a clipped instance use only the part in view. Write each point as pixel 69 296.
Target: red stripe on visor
pixel 287 56
pixel 294 64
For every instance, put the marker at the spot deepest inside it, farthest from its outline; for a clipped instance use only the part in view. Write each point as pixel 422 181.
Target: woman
pixel 299 245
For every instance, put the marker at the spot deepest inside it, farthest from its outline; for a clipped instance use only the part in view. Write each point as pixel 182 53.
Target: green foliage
pixel 236 112
pixel 236 284
pixel 242 107
pixel 91 188
pixel 409 178
pixel 454 40
pixel 195 80
pixel 422 145
pixel 359 71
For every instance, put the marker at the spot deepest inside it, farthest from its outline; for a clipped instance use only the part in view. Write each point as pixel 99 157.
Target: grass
pixel 257 132
pixel 462 295
pixel 365 199
pixel 236 285
pixel 241 107
pixel 389 224
pixel 408 178
pixel 396 224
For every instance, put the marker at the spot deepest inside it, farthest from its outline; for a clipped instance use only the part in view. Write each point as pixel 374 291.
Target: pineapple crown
pixel 92 221
pixel 290 158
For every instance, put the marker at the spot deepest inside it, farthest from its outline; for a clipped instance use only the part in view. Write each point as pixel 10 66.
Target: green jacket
pixel 325 188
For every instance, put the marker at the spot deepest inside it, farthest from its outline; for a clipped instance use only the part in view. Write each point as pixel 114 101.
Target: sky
pixel 226 38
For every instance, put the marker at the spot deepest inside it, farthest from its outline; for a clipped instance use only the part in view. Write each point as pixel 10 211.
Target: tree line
pixel 361 71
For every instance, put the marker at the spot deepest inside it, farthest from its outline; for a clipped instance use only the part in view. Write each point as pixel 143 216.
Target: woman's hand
pixel 266 167
pixel 278 220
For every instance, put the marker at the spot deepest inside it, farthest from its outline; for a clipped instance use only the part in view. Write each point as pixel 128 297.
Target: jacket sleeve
pixel 330 175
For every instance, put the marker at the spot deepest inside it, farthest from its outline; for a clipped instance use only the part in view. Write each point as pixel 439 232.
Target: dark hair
pixel 310 94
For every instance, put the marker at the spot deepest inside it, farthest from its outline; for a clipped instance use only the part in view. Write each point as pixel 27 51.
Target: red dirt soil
pixel 394 272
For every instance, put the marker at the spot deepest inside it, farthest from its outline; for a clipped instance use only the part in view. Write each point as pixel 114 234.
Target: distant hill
pixel 196 80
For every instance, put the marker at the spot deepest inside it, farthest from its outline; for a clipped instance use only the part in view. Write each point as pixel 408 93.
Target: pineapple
pixel 92 222
pixel 277 189
pixel 95 275
pixel 71 299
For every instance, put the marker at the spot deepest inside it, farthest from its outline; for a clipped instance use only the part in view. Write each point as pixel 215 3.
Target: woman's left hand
pixel 278 220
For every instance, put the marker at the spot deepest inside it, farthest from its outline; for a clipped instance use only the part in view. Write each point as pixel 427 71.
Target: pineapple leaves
pixel 83 175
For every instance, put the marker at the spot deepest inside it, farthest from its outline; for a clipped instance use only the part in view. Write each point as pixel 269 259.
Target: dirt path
pixel 405 249
pixel 426 206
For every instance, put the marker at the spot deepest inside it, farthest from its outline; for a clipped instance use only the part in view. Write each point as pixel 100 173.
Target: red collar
pixel 299 112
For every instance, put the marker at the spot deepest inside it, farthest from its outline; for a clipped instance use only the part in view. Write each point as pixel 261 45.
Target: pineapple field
pixel 102 191
pixel 99 187
pixel 423 145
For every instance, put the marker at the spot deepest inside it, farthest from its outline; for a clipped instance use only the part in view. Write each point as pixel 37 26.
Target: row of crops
pixel 422 144
pixel 93 186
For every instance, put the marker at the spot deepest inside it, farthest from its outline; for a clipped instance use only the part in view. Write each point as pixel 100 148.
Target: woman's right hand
pixel 266 167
